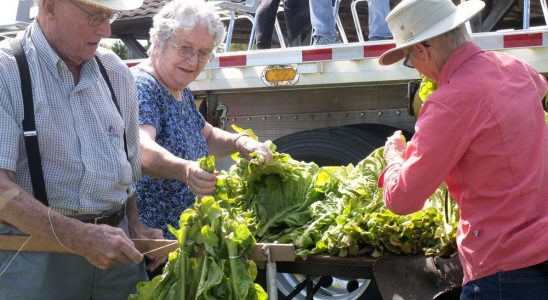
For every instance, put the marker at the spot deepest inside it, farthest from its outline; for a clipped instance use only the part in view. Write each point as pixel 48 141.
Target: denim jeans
pixel 522 284
pixel 322 17
pixel 378 10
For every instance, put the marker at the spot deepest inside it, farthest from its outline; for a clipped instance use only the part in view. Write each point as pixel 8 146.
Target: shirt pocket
pixel 117 146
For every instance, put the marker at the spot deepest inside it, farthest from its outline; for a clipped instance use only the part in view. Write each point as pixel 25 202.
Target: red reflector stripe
pixel 376 50
pixel 317 54
pixel 232 61
pixel 523 40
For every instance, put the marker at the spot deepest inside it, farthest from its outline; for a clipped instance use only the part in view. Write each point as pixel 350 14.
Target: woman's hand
pixel 245 145
pixel 200 182
pixel 395 147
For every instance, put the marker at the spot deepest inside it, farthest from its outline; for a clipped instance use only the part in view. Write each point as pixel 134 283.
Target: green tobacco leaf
pixel 207 163
pixel 213 277
pixel 249 132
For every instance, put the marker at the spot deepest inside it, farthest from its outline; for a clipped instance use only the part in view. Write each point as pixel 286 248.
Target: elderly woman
pixel 173 134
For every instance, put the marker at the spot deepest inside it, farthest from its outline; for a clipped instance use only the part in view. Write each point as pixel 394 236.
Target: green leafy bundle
pixel 221 272
pixel 252 186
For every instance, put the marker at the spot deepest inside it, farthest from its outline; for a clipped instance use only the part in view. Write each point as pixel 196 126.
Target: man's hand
pixel 141 232
pixel 395 147
pixel 103 246
pixel 245 145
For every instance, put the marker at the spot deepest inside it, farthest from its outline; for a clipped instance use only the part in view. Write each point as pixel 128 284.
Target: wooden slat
pixel 278 252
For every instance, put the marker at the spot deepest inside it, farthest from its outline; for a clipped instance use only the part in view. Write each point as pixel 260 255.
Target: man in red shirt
pixel 483 132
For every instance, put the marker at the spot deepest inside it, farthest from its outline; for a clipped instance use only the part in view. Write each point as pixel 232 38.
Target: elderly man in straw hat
pixel 482 132
pixel 69 167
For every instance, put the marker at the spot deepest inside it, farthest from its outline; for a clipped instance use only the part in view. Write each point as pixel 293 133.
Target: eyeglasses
pixel 407 62
pixel 98 19
pixel 189 52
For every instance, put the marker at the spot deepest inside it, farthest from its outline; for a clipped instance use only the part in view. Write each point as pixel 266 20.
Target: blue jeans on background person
pixel 377 12
pixel 322 18
pixel 523 284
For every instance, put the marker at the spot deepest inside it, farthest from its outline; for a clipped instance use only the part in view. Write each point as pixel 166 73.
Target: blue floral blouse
pixel 179 128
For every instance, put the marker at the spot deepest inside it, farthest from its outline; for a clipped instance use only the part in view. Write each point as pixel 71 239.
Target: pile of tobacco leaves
pixel 336 210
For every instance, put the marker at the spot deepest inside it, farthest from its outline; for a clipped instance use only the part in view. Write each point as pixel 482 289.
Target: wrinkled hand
pixel 394 149
pixel 201 183
pixel 142 232
pixel 245 145
pixel 104 246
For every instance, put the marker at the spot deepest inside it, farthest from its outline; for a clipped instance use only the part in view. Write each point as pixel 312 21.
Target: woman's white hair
pixel 184 15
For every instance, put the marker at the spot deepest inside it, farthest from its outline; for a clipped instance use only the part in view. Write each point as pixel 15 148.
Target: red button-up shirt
pixel 483 132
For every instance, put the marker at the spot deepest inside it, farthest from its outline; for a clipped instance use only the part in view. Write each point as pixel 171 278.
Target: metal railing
pixel 527 12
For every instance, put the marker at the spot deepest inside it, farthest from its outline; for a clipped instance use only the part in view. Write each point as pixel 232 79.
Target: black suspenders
pixel 29 126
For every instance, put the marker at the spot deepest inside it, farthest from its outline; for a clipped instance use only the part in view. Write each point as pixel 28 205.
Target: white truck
pixel 335 104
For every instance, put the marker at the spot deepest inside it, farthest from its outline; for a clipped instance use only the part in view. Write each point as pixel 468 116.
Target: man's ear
pixel 49 6
pixel 420 47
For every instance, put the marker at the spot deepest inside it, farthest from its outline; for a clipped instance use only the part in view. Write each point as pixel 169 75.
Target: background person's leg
pixel 264 18
pixel 377 12
pixel 322 18
pixel 297 20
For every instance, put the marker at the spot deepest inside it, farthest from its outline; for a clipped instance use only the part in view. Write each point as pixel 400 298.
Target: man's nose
pixel 104 29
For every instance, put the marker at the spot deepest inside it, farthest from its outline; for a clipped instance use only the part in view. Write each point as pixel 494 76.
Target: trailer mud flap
pixel 417 277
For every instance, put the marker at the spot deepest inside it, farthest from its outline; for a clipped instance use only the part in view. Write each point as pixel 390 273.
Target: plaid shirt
pixel 79 129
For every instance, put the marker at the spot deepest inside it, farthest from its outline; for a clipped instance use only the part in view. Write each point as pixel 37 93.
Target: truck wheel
pixel 331 147
pixel 328 288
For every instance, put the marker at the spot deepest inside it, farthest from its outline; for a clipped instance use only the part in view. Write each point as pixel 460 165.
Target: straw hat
pixel 117 5
pixel 414 21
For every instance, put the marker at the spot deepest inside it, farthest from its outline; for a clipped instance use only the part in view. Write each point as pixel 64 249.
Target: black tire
pixel 330 146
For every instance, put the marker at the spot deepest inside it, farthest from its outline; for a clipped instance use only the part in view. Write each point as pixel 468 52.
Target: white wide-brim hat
pixel 117 5
pixel 415 21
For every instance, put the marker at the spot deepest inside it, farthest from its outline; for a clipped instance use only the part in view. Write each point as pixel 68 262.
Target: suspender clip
pixel 29 133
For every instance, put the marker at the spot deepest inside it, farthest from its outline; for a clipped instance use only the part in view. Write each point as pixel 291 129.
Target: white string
pixel 11 260
pixel 54 234
pixel 164 246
